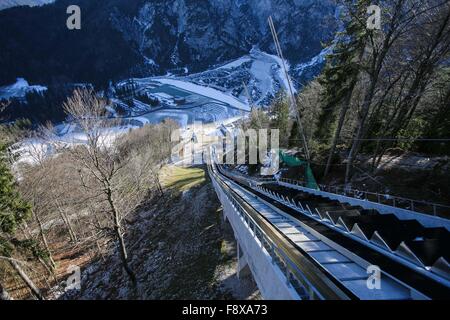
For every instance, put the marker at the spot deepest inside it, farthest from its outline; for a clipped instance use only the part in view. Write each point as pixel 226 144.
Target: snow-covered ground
pixel 33 150
pixel 266 65
pixel 280 73
pixel 19 89
pixel 262 74
pixel 205 91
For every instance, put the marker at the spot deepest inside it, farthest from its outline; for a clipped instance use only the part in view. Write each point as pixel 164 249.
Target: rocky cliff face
pixel 120 38
pixel 186 32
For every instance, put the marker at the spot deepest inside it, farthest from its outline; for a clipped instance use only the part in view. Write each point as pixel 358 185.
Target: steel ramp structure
pixel 322 247
pixel 408 239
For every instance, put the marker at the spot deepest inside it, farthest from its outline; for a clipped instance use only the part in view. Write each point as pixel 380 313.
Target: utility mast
pixel 291 91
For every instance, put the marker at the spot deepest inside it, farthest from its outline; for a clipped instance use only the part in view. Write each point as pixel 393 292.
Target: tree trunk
pixel 374 157
pixel 160 189
pixel 341 121
pixel 50 270
pixel 124 254
pixel 44 240
pixel 36 292
pixel 122 247
pixel 72 234
pixel 361 129
pixel 4 295
pixel 157 181
pixel 337 134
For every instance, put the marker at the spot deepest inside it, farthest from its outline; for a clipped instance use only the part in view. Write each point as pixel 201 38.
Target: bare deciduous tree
pixel 98 163
pixel 116 171
pixel 415 37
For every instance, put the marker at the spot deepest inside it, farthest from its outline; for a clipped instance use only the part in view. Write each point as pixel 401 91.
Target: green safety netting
pixel 293 161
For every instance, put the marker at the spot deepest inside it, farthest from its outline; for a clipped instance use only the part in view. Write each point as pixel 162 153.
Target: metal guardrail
pixel 421 206
pixel 308 280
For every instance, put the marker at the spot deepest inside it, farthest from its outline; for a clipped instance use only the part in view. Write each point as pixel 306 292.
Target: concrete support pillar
pixel 243 269
pixel 253 260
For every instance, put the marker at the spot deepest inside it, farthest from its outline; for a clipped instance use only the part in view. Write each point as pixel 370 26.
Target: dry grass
pixel 180 178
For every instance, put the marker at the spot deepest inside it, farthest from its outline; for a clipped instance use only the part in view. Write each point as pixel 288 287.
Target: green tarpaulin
pixel 292 161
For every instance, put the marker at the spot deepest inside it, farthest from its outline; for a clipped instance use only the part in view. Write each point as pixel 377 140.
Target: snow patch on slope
pixel 19 89
pixel 280 70
pixel 260 72
pixel 315 61
pixel 4 4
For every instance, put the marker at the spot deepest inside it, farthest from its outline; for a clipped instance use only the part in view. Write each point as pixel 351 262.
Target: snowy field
pixel 200 104
pixel 207 92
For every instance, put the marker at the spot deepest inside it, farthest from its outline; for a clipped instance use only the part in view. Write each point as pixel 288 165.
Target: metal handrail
pixel 295 266
pixel 385 199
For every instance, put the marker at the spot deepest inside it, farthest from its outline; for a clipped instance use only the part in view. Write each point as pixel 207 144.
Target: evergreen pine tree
pixel 13 212
pixel 280 112
pixel 341 73
pixel 342 68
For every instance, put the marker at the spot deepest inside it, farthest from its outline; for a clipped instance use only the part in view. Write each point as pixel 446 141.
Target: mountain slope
pixel 121 38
